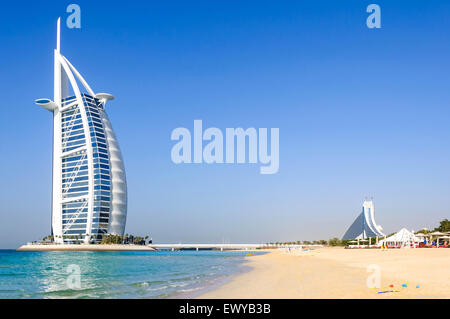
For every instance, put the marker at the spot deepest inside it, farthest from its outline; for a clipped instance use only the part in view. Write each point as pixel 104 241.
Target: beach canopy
pixel 402 237
pixel 437 233
pixel 421 235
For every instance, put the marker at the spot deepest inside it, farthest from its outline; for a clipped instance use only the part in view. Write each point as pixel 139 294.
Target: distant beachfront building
pixel 89 195
pixel 364 225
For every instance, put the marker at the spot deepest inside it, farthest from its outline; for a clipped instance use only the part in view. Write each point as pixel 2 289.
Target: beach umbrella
pixel 443 237
pixel 352 242
pixel 437 233
pixel 426 236
pixel 421 236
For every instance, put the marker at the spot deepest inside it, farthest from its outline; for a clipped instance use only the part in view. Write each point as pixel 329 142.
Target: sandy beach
pixel 341 273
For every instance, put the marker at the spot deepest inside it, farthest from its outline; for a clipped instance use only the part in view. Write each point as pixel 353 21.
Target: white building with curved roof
pixel 364 225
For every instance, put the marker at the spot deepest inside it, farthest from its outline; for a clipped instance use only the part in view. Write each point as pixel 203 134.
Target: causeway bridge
pixel 223 246
pixel 208 246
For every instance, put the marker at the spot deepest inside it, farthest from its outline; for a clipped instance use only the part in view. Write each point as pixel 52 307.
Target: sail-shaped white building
pixel 89 192
pixel 364 225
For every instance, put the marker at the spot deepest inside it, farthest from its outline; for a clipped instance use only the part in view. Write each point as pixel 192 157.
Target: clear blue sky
pixel 360 111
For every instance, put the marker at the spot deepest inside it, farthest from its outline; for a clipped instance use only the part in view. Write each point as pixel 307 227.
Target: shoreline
pixel 212 284
pixel 340 273
pixel 83 247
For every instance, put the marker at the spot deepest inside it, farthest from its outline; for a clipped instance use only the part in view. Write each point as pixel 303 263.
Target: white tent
pixel 403 238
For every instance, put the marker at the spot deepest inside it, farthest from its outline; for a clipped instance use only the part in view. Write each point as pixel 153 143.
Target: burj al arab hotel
pixel 89 191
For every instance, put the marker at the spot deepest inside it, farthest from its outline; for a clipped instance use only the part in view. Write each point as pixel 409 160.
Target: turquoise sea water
pixel 153 274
